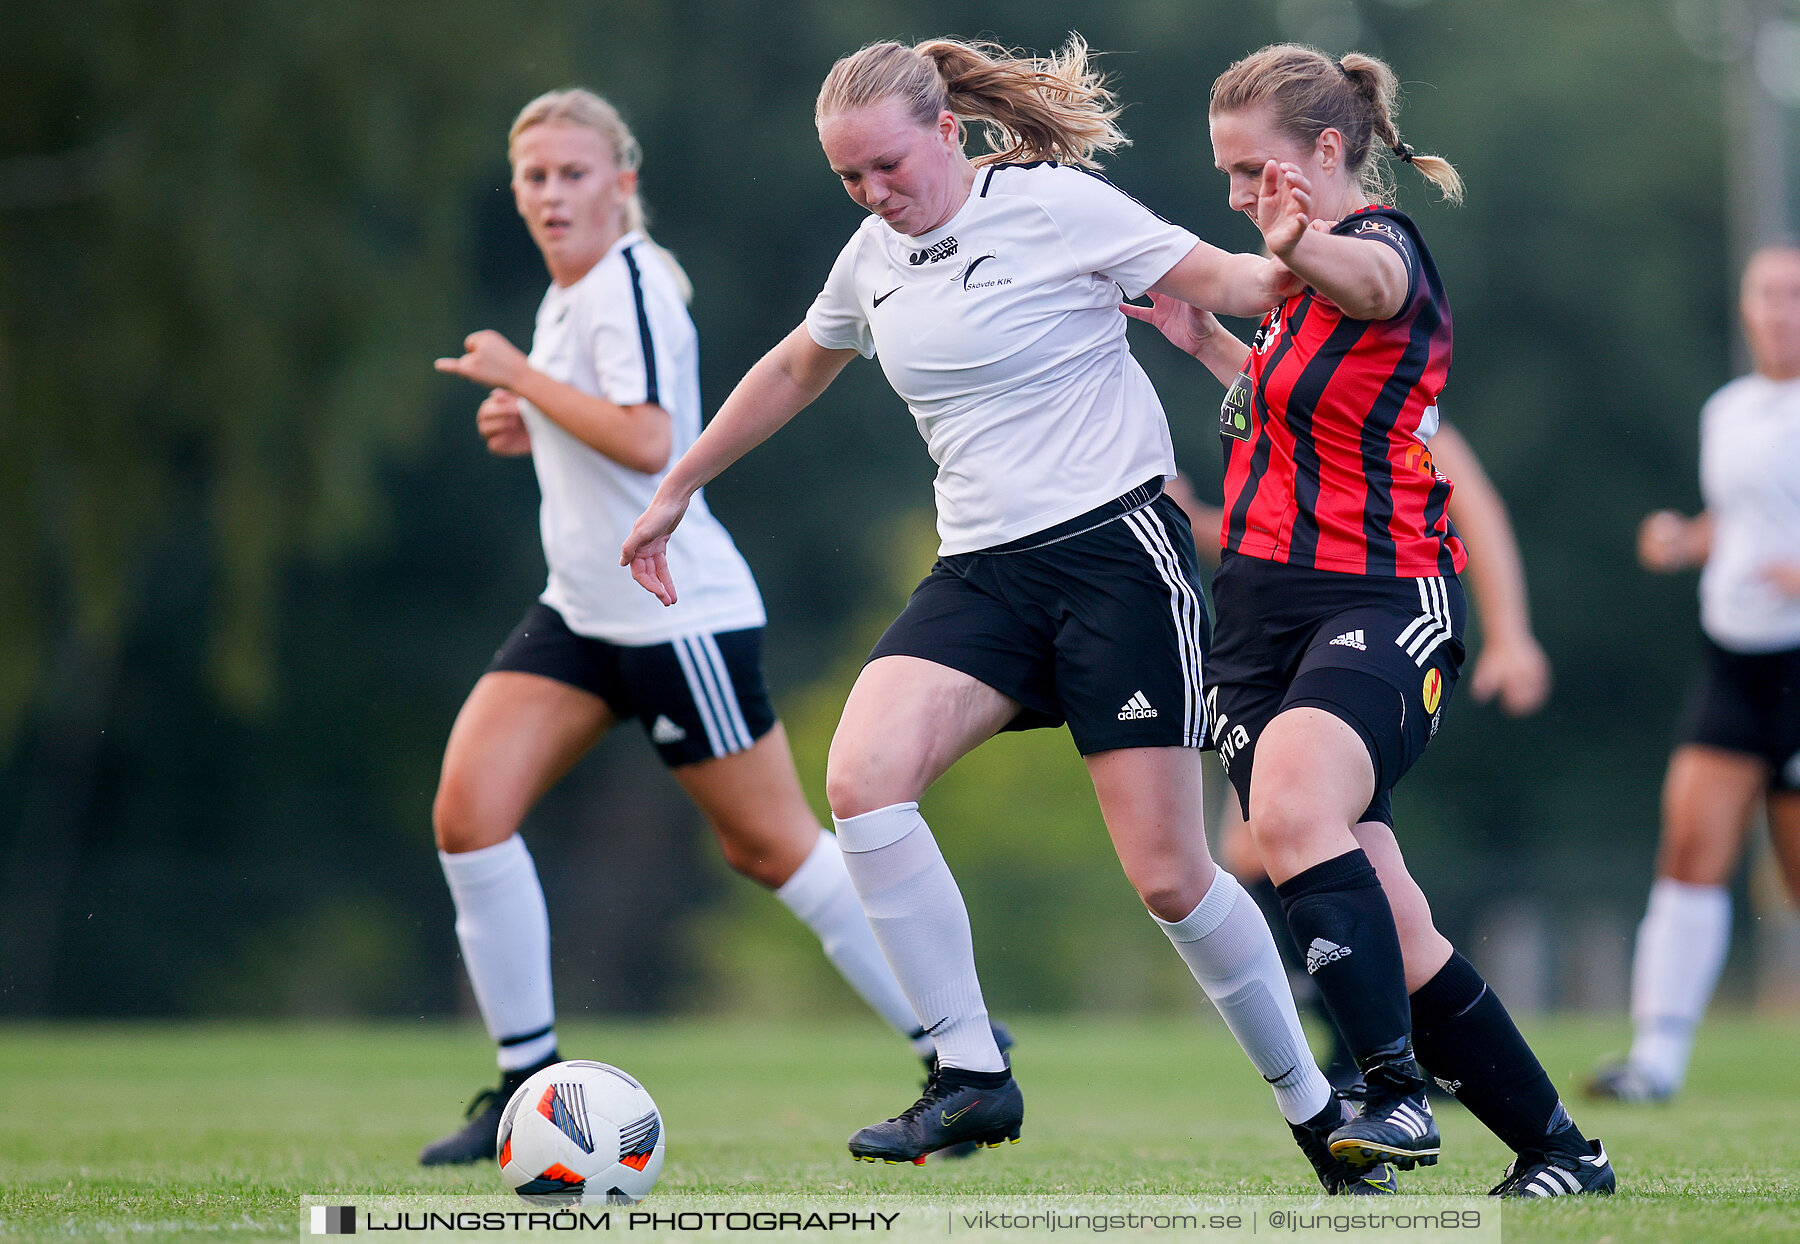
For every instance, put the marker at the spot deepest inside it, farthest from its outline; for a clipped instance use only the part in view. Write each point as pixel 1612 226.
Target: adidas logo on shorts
pixel 665 731
pixel 1350 639
pixel 1136 708
pixel 1322 952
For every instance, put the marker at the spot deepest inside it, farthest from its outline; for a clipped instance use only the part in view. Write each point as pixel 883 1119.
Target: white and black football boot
pixel 1394 1121
pixel 1558 1174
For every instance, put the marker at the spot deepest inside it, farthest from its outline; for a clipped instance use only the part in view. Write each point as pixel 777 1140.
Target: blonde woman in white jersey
pixel 1066 586
pixel 609 394
pixel 1740 734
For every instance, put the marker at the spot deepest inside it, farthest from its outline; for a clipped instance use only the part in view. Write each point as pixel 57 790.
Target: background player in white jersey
pixel 608 396
pixel 1740 735
pixel 1065 588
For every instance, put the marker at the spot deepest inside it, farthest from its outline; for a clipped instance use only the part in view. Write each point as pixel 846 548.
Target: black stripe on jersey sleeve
pixel 995 168
pixel 1395 230
pixel 1102 177
pixel 643 318
pixel 1303 402
pixel 1378 427
pixel 1094 173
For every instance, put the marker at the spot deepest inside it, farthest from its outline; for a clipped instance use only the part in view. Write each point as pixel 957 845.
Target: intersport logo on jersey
pixel 933 253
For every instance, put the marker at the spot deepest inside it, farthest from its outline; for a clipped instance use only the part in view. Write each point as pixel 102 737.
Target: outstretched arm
pixel 782 384
pixel 1216 280
pixel 1512 666
pixel 1367 280
pixel 632 436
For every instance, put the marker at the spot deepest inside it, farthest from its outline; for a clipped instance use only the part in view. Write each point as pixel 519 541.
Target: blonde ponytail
pixel 1050 108
pixel 583 108
pixel 1307 93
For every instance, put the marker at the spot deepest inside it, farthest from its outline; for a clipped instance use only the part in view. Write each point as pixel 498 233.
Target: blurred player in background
pixel 1511 669
pixel 1740 734
pixel 1340 611
pixel 609 395
pixel 1066 585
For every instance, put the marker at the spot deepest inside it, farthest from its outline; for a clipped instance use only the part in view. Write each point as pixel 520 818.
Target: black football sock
pixel 1470 1046
pixel 1339 916
pixel 1339 1058
pixel 511 1080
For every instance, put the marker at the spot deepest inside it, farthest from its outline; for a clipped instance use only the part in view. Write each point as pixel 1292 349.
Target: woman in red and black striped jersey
pixel 1340 616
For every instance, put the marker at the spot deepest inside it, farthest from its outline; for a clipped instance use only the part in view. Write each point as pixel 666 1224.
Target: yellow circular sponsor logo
pixel 1434 689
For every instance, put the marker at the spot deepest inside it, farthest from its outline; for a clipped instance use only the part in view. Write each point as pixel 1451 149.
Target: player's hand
pixel 1187 327
pixel 1515 672
pixel 502 426
pixel 1784 577
pixel 1665 542
pixel 487 359
pixel 646 549
pixel 1283 207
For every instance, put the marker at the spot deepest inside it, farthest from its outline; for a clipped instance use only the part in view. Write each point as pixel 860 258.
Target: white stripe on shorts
pixel 1430 629
pixel 702 701
pixel 1188 613
pixel 734 713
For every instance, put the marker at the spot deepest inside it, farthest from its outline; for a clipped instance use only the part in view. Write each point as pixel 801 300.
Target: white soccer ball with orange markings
pixel 581 1133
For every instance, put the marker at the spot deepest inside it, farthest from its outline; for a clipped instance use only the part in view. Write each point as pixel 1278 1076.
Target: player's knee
pixel 1168 896
pixel 748 861
pixel 460 823
pixel 1287 820
pixel 764 857
pixel 857 782
pixel 1694 862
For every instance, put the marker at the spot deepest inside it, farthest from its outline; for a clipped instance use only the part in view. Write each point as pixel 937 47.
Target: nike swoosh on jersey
pixel 884 297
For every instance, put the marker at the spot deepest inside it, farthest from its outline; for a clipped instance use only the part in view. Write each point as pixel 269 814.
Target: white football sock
pixel 1227 946
pixel 917 916
pixel 504 930
pixel 1681 947
pixel 821 894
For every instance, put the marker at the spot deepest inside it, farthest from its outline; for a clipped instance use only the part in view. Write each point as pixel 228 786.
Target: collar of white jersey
pixel 628 238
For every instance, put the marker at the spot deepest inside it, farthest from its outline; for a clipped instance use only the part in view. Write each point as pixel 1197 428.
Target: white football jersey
pixel 623 333
pixel 1750 477
pixel 1002 333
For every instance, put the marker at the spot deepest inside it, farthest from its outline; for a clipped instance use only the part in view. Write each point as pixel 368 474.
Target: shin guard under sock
pixel 1471 1047
pixel 1340 918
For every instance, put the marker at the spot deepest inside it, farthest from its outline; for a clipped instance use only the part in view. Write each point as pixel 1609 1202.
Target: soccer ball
pixel 581 1132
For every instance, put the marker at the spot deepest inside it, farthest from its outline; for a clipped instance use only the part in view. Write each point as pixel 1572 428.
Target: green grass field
pixel 215 1132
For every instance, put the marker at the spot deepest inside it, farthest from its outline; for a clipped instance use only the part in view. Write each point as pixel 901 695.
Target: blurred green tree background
pixel 252 554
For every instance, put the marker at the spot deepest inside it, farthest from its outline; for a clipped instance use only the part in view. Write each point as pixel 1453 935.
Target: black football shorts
pixel 697 696
pixel 1098 622
pixel 1748 702
pixel 1380 654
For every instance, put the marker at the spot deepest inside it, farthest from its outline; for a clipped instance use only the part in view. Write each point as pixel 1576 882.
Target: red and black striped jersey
pixel 1326 463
